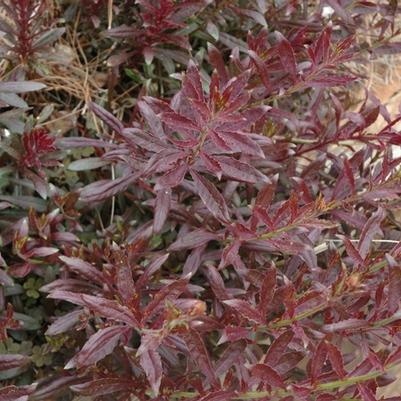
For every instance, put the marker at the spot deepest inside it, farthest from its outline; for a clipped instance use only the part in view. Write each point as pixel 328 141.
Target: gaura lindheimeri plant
pixel 232 236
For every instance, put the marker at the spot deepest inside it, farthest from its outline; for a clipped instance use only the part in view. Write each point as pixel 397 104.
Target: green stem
pixel 333 385
pixel 303 315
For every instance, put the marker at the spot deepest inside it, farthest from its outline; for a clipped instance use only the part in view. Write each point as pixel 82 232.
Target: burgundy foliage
pixel 248 243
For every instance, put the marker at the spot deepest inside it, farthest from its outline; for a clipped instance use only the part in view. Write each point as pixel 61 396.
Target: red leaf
pixel 267 375
pixel 366 393
pixel 192 83
pixel 242 142
pixel 193 261
pixel 151 118
pixel 104 307
pixel 394 357
pixel 13 393
pixel 278 348
pixel 178 122
pixel 265 196
pixel 230 254
pixel 217 61
pixel 211 197
pixel 327 81
pixel 218 139
pixel 170 292
pixel 235 88
pixel 336 360
pixel 232 355
pixel 211 164
pixel 104 189
pixel 107 117
pixel 125 282
pixel 350 324
pixel 152 365
pixel 233 334
pixel 287 56
pixel 84 269
pixel 36 143
pixel 240 171
pixel 200 356
pixel 349 174
pixel 64 323
pixel 162 208
pixel 394 285
pixel 353 252
pixel 245 310
pixel 318 360
pixel 173 177
pixel 217 283
pixel 371 228
pixel 104 386
pixel 267 291
pixel 289 361
pixel 322 46
pixel 153 267
pixel 192 240
pixel 261 68
pixel 13 361
pixel 99 345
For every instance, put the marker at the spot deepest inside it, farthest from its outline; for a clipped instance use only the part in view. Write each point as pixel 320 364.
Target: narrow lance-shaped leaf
pixel 240 171
pixel 162 207
pixel 349 174
pixel 99 345
pixel 90 163
pixel 14 393
pixel 371 228
pixel 103 386
pixel 243 143
pixel 200 356
pixel 267 291
pixel 366 393
pixel 170 292
pixel 245 310
pixel 173 177
pixel 267 375
pixel 12 361
pixel 286 55
pixel 177 122
pixel 104 307
pixel 194 239
pixel 20 87
pixel 153 267
pixel 151 119
pixel 336 360
pixel 216 282
pixel 211 197
pixel 394 284
pixel 349 324
pixel 277 348
pixel 261 68
pixel 64 323
pixel 107 117
pixel 152 365
pixel 318 360
pixel 125 282
pixel 104 189
pixel 353 252
pixel 83 268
